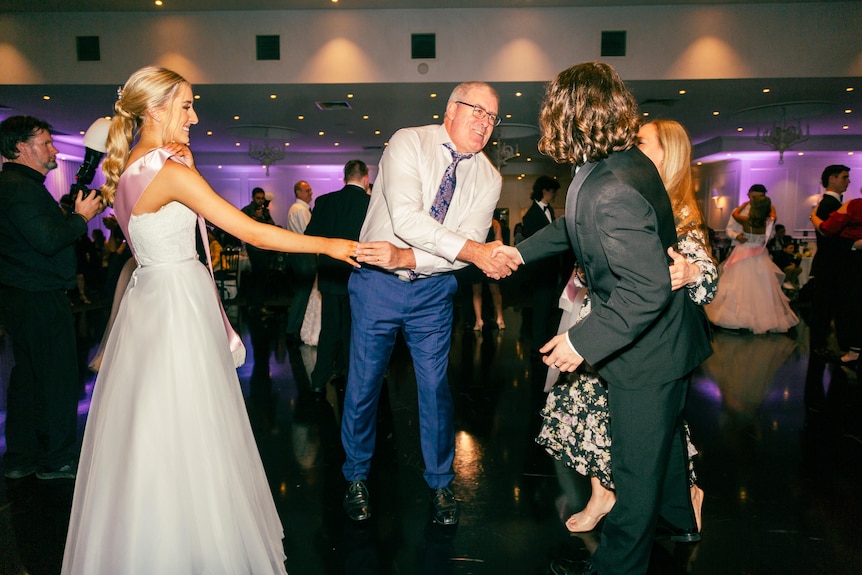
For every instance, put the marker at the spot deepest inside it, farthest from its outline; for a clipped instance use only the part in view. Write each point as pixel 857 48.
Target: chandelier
pixel 505 151
pixel 265 153
pixel 266 143
pixel 782 136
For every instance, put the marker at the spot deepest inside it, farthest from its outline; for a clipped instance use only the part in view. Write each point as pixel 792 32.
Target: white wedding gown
pixel 170 481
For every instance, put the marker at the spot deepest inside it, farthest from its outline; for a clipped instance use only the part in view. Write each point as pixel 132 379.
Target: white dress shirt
pixel 298 216
pixel 408 179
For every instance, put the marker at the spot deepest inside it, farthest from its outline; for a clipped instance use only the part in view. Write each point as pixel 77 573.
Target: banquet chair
pixel 227 278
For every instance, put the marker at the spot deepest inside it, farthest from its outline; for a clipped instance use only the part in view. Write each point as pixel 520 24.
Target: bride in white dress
pixel 170 480
pixel 749 286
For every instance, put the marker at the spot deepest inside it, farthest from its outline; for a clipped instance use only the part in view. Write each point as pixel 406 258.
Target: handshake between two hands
pixel 497 261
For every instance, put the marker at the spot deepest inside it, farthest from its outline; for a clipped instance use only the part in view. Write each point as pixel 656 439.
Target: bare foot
pixel 697 504
pixel 599 505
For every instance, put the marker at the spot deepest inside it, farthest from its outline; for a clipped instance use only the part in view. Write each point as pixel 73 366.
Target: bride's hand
pixel 181 152
pixel 344 250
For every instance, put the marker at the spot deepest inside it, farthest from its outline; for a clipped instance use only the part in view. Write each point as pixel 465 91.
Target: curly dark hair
pixel 588 113
pixel 17 129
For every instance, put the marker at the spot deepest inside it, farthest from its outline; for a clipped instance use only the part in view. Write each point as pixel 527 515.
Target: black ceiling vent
pixel 613 43
pixel 327 106
pixel 88 48
pixel 372 148
pixel 269 47
pixel 423 46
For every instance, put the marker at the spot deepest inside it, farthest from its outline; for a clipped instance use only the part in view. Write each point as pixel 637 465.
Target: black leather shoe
pixel 445 507
pixel 356 501
pixel 676 534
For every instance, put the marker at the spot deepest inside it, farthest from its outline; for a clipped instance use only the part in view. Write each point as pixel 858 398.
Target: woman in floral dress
pixel 576 426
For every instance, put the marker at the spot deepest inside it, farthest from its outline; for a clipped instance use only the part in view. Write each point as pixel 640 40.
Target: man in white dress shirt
pixel 302 266
pixel 430 211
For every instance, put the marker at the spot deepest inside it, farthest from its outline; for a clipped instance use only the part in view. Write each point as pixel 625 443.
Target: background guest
pixel 37 265
pixel 828 267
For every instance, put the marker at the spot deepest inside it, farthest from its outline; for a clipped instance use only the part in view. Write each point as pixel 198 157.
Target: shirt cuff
pixel 572 347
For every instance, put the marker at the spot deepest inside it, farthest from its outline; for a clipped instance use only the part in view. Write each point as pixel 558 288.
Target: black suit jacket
pixel 545 272
pixel 619 224
pixel 831 251
pixel 337 215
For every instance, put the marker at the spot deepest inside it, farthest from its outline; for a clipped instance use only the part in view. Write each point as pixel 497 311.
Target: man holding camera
pixel 37 266
pixel 258 209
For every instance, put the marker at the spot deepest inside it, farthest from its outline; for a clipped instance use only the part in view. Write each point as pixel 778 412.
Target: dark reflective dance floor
pixel 780 459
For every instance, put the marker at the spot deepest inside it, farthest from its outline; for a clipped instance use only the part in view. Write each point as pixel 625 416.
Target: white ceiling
pixel 71 109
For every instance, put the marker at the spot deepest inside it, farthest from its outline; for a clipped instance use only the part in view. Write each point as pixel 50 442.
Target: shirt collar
pixel 26 171
pixel 835 195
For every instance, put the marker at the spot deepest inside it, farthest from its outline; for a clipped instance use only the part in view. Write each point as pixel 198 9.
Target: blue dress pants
pixel 381 304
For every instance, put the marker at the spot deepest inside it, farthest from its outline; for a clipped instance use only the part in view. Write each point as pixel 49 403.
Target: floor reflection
pixel 779 434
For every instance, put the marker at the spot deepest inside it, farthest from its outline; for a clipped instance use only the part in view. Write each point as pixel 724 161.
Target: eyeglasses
pixel 480 113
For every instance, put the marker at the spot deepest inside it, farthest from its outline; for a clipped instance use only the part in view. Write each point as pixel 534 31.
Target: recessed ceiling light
pixel 800 153
pixel 321 133
pixel 508 116
pixel 715 113
pixel 767 90
pixel 436 116
pixel 681 92
pixel 850 89
pixel 300 117
pixel 849 153
pixel 336 144
pixel 518 94
pixel 158 2
pixel 81 132
pixel 376 132
pixel 349 95
pixel 219 167
pixel 433 94
pixel 529 159
pixel 845 127
pixel 46 97
pixel 847 111
pixel 237 144
pixel 287 143
pixel 646 114
pixel 209 132
pixel 365 117
pixel 197 96
pixel 273 96
pixel 739 129
pixel 700 163
pixel 236 117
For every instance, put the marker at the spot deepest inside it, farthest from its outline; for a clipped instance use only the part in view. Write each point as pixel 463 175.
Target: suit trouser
pixel 650 468
pixel 828 304
pixel 381 304
pixel 42 399
pixel 333 346
pixel 304 269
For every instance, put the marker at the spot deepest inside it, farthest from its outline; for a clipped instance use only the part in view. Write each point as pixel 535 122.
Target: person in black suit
pixel 642 338
pixel 828 267
pixel 37 266
pixel 337 215
pixel 544 275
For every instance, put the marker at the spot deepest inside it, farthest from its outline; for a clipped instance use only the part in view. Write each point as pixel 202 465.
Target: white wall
pixel 326 46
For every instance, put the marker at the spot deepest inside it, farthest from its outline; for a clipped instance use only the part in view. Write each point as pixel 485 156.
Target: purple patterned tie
pixel 447 186
pixel 445 192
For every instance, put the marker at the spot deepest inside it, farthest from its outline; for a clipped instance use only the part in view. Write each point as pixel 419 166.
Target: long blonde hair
pixel 149 88
pixel 675 172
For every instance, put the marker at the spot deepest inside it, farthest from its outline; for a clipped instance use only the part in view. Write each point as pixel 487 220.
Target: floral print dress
pixel 576 426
